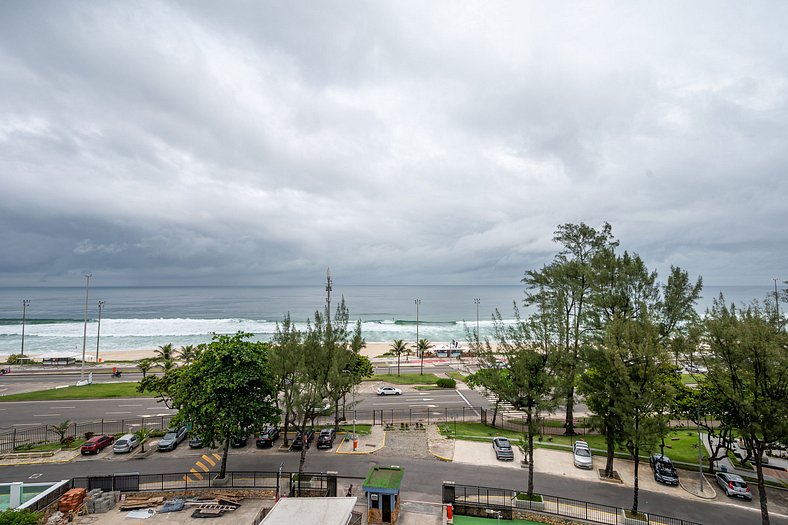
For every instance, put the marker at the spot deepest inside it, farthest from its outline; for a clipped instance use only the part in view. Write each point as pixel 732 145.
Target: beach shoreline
pixel 371 350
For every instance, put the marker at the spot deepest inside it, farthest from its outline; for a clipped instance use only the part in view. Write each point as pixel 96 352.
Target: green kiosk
pixel 382 489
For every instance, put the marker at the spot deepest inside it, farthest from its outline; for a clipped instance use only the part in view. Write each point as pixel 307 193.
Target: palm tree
pixel 398 346
pixel 145 365
pixel 424 345
pixel 187 354
pixel 165 356
pixel 143 434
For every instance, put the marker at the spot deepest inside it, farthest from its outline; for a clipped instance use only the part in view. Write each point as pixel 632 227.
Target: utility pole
pixel 477 301
pixel 25 304
pixel 98 330
pixel 85 330
pixel 328 296
pixel 700 450
pixel 420 350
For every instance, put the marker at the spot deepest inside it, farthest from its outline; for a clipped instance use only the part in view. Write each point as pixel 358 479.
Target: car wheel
pixel 398 393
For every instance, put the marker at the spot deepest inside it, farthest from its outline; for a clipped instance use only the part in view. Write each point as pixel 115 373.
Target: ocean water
pixel 140 318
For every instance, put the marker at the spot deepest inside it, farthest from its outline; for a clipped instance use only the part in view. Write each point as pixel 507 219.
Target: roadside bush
pixel 13 359
pixel 446 382
pixel 18 517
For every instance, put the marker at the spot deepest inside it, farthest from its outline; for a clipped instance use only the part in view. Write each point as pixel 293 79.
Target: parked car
pixel 95 444
pixel 389 391
pixel 172 439
pixel 267 437
pixel 582 455
pixel 299 441
pixel 125 443
pixel 664 471
pixel 733 485
pixel 195 442
pixel 239 441
pixel 326 438
pixel 503 449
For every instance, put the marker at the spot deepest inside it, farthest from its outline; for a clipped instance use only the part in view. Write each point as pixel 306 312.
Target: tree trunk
pixel 530 451
pixel 610 438
pixel 569 418
pixel 761 486
pixel 635 492
pixel 495 410
pixel 336 416
pixel 223 467
pixel 286 441
pixel 302 460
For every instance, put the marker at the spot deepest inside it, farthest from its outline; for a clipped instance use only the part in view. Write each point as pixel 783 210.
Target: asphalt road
pixel 422 481
pixel 18 382
pixel 29 413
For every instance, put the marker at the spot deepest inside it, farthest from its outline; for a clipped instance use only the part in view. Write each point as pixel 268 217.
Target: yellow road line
pixel 218 457
pixel 202 466
pixel 209 460
pixel 199 476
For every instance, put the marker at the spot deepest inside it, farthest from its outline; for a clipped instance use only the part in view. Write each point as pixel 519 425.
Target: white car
pixel 389 391
pixel 582 455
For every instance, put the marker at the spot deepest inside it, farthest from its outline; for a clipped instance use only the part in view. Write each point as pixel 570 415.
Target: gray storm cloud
pixel 397 142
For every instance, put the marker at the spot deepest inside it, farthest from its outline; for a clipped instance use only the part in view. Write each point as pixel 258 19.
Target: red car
pixel 96 443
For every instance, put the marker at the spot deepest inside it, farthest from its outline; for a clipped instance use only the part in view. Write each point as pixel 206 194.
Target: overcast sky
pixel 396 142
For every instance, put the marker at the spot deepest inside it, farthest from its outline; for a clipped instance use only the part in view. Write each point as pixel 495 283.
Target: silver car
pixel 125 443
pixel 582 455
pixel 733 485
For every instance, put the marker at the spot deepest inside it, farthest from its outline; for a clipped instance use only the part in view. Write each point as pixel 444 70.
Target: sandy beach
pixel 372 350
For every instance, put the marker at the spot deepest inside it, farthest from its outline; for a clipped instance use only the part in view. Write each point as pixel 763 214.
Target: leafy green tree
pixel 61 429
pixel 145 365
pixel 563 291
pixel 398 347
pixel 284 358
pixel 747 361
pixel 228 391
pixel 165 357
pixel 528 381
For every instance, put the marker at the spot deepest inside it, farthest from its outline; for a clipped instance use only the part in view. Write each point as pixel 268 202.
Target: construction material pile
pixel 71 501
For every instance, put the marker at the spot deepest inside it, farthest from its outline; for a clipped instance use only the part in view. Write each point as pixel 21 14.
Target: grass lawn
pixel 362 429
pixel 456 376
pixel 79 392
pixel 680 446
pixel 473 520
pixel 405 379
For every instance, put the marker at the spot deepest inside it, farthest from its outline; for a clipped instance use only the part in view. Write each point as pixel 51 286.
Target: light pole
pixel 85 330
pixel 98 330
pixel 700 449
pixel 477 301
pixel 25 304
pixel 421 351
pixel 776 299
pixel 328 295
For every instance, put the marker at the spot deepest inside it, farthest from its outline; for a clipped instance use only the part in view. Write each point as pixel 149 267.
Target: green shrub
pixel 18 517
pixel 446 382
pixel 13 359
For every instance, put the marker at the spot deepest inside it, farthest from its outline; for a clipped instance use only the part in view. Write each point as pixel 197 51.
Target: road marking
pixel 202 466
pixel 196 474
pixel 209 460
pixel 45 415
pixel 25 424
pixel 463 398
pixel 35 476
pixel 60 408
pixel 117 412
pixel 129 405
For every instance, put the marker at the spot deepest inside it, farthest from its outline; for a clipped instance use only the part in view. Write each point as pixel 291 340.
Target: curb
pixel 697 495
pixel 359 452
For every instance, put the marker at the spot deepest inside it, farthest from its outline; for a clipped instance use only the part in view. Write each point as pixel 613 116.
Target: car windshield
pixel 584 452
pixel 503 444
pixel 169 435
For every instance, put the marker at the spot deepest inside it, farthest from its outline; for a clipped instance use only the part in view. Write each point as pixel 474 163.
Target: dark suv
pixel 299 440
pixel 326 438
pixel 664 472
pixel 267 437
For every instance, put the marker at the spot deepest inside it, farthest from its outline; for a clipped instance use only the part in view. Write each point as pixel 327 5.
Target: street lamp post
pixel 700 449
pixel 98 330
pixel 85 330
pixel 476 302
pixel 25 304
pixel 420 350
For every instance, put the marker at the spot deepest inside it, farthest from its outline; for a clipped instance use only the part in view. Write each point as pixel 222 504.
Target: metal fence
pixel 18 438
pixel 15 438
pixel 485 501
